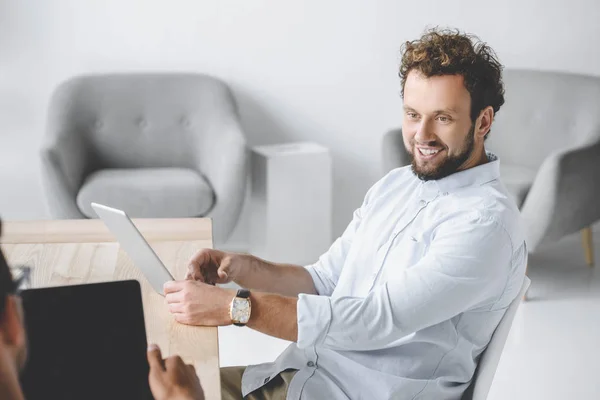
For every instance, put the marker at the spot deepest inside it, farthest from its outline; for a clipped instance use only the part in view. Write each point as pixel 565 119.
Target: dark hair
pixel 449 52
pixel 7 285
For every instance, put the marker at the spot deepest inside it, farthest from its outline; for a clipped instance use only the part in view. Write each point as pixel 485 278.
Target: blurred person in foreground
pixel 169 378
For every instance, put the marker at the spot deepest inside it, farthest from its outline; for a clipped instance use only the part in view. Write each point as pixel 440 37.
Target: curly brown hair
pixel 449 52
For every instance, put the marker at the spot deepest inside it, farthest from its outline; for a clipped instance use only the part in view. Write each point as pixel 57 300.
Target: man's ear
pixel 11 324
pixel 484 122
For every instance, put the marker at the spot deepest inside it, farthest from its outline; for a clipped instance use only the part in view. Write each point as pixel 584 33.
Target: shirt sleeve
pixel 467 266
pixel 326 271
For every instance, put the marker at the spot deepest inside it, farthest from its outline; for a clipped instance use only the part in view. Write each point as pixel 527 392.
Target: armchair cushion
pixel 148 192
pixel 518 180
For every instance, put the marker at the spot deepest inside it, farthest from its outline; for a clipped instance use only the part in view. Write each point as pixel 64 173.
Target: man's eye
pixel 444 119
pixel 412 115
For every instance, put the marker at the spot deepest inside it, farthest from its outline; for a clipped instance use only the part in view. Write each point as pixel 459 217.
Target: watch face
pixel 240 310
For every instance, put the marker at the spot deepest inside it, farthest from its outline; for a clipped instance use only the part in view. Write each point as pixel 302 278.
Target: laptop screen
pixel 86 342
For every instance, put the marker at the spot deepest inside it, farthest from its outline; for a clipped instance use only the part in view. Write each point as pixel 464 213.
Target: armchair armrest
pixel 565 196
pixel 63 169
pixel 64 156
pixel 222 157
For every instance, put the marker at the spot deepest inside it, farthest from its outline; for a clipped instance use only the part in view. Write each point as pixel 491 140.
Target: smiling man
pixel 444 104
pixel 406 300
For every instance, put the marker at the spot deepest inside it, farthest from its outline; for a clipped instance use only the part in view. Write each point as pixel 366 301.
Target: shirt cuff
pixel 317 281
pixel 314 319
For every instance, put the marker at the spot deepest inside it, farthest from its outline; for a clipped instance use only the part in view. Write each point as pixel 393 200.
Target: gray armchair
pixel 547 136
pixel 154 145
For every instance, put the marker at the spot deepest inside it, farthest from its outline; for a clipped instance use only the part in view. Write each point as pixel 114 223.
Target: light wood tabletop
pixel 69 252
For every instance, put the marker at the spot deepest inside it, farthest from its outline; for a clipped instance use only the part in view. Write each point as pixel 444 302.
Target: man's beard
pixel 448 166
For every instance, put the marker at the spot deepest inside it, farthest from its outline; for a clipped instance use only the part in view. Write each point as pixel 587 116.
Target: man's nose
pixel 425 133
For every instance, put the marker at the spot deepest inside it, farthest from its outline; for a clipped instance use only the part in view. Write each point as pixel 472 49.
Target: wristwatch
pixel 240 308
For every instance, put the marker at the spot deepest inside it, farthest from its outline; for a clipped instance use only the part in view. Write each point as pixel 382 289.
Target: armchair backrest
pixel 544 112
pixel 141 120
pixel 490 358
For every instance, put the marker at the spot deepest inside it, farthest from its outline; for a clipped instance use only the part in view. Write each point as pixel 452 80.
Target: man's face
pixel 437 129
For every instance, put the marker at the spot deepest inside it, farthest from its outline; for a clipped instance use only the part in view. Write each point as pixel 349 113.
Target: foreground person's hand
pixel 171 378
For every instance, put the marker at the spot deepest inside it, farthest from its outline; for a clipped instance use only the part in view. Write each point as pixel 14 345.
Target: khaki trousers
pixel 275 389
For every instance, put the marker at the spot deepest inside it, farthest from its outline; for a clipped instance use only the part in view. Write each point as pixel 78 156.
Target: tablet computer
pixel 134 244
pixel 85 342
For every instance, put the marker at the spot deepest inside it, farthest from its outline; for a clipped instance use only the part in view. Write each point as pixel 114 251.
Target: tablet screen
pixel 86 342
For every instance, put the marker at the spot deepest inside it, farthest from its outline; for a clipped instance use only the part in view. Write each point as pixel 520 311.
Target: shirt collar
pixel 475 176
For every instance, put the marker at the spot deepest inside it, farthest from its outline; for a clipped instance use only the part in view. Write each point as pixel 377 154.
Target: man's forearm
pixel 274 315
pixel 284 279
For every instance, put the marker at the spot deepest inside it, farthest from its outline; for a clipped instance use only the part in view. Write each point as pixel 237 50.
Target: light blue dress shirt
pixel 410 294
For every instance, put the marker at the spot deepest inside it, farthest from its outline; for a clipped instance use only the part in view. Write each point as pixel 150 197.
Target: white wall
pixel 302 70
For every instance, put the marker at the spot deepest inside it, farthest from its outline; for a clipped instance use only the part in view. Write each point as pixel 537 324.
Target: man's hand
pixel 214 266
pixel 197 303
pixel 172 378
pixel 217 267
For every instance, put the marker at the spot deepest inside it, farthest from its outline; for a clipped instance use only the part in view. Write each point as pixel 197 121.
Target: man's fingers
pixel 200 257
pixel 194 272
pixel 175 308
pixel 155 358
pixel 222 273
pixel 174 297
pixel 181 318
pixel 173 362
pixel 173 286
pixel 189 276
pixel 193 276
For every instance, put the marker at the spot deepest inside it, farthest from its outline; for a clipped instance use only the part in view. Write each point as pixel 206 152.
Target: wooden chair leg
pixel 588 245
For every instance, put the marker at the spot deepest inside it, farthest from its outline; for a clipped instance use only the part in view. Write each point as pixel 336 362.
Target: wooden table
pixel 68 252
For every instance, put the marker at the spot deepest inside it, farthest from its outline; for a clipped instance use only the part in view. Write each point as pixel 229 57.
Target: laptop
pixel 134 244
pixel 86 342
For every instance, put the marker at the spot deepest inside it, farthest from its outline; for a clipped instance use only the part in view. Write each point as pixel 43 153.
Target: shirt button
pixel 267 379
pixel 310 364
pixel 422 203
